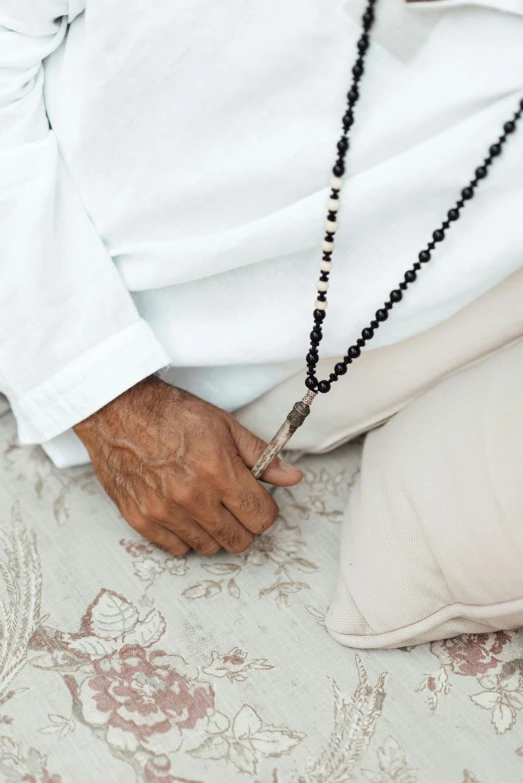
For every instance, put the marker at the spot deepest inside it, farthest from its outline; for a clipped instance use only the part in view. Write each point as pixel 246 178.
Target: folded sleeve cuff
pixel 88 383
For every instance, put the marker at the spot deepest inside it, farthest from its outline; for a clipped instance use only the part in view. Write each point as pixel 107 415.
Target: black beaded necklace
pixel 302 408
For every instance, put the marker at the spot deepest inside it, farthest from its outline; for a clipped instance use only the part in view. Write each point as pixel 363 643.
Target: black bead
pixel 340 368
pixel 319 315
pixel 331 216
pixel 509 127
pixel 481 172
pixel 327 255
pixel 363 43
pixel 467 193
pixel 410 276
pixel 360 343
pixel 316 335
pixel 381 315
pixel 368 18
pixel 333 377
pixel 417 265
pixel 445 224
pixel 354 352
pixel 438 235
pixel 374 324
pixel 431 245
pixel 324 387
pixel 403 286
pixel 357 71
pixel 388 305
pixel 348 119
pixel 353 94
pixel 311 370
pixel 495 150
pixel 424 256
pixel 339 169
pixel 312 357
pixel 396 295
pixel 343 144
pixel 453 214
pixel 311 382
pixel 367 333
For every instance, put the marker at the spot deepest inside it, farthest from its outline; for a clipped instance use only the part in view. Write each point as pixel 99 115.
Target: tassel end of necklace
pixel 295 419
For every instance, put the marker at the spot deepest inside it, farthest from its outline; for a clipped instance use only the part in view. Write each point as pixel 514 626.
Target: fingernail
pixel 289 469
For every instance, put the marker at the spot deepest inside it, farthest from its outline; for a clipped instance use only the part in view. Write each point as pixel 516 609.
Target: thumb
pixel 250 448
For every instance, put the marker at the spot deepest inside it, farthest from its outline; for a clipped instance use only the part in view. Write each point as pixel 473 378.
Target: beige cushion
pixel 432 541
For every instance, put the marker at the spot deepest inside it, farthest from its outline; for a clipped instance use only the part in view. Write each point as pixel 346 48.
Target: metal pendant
pixel 294 420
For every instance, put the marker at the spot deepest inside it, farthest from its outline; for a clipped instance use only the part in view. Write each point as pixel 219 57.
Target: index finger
pixel 249 501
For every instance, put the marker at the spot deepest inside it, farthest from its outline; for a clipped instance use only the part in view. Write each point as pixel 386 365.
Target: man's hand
pixel 178 469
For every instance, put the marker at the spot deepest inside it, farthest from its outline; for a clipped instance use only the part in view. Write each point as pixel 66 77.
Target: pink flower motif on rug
pixel 234 665
pixel 472 655
pixel 145 699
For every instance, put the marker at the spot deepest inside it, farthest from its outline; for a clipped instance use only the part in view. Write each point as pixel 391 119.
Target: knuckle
pixel 264 517
pixel 234 540
pixel 198 545
pixel 209 548
pixel 185 494
pixel 140 524
pixel 158 508
pixel 178 550
pixel 241 545
pixel 210 469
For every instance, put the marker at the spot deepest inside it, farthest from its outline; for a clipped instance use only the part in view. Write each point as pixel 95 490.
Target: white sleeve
pixel 70 336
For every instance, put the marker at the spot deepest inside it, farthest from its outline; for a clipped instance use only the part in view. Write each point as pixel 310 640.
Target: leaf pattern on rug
pixel 393 765
pixel 31 468
pixel 355 719
pixel 21 574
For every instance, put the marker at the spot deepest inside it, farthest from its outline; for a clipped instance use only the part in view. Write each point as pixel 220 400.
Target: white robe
pixel 164 176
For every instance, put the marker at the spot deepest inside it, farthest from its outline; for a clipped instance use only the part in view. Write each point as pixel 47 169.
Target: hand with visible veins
pixel 178 468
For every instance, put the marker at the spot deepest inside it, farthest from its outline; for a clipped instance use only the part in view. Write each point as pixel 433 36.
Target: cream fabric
pixel 432 543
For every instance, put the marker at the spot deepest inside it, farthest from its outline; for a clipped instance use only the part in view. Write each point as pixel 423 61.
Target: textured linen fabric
pixel 432 544
pixel 164 173
pixel 121 664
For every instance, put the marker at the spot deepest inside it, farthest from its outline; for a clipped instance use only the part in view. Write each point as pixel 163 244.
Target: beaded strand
pixel 331 226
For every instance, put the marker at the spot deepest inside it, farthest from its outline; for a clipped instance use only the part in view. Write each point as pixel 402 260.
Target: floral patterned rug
pixel 120 663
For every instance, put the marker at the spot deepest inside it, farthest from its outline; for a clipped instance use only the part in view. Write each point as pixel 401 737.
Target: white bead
pixel 326 266
pixel 333 205
pixel 322 286
pixel 336 183
pixel 327 247
pixel 331 226
pixel 321 305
